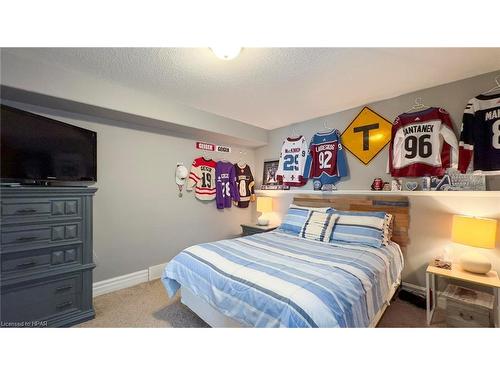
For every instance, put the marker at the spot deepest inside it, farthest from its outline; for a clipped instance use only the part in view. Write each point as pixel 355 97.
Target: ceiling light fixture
pixel 226 53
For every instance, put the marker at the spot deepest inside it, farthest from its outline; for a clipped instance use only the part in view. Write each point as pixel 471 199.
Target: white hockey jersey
pixel 292 161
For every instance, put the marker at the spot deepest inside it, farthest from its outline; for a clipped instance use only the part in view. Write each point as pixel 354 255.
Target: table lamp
pixel 474 233
pixel 264 205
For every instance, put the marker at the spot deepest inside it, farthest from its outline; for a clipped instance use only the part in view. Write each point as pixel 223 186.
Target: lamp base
pixel 475 263
pixel 263 221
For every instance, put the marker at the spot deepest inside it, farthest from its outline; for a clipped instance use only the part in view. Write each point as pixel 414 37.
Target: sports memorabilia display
pixel 202 179
pixel 377 184
pixel 226 189
pixel 326 161
pixel 480 135
pixel 181 174
pixel 292 161
pixel 423 144
pixel 245 184
pixel 269 173
pixel 367 135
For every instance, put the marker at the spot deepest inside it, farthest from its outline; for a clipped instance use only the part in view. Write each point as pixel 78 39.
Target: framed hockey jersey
pixel 422 144
pixel 326 161
pixel 480 136
pixel 226 188
pixel 292 161
pixel 202 179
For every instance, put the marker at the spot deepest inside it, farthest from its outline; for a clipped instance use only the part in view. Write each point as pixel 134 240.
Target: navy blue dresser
pixel 46 256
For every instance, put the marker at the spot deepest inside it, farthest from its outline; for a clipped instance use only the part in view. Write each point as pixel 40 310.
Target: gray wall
pixel 430 224
pixel 138 219
pixel 453 97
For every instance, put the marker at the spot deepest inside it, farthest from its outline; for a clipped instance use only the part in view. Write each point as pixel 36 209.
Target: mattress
pixel 280 280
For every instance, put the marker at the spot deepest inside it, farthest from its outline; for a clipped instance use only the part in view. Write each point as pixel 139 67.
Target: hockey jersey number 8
pixel 423 143
pixel 292 162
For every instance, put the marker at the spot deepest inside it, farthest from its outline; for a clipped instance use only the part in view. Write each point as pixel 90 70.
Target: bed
pixel 276 279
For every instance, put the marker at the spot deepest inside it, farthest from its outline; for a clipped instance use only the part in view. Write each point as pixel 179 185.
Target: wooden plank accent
pixel 396 205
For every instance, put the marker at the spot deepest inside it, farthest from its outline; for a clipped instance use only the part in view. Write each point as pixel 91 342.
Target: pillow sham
pixel 388 228
pixel 319 226
pixel 296 217
pixel 368 228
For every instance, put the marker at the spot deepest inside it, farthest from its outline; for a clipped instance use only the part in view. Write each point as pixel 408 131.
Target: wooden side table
pixel 432 273
pixel 249 229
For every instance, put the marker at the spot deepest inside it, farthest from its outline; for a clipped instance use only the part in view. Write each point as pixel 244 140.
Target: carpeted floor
pixel 147 305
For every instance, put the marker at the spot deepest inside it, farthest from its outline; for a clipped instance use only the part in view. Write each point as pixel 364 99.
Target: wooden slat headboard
pixel 398 206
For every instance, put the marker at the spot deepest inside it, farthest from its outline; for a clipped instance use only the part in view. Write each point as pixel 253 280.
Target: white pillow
pixel 319 226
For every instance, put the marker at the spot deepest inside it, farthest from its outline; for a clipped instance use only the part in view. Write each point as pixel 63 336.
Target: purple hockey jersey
pixel 226 189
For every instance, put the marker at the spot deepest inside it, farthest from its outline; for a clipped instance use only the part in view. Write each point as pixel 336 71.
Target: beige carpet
pixel 147 305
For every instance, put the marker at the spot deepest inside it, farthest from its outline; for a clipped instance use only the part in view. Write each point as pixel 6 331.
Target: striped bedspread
pixel 278 280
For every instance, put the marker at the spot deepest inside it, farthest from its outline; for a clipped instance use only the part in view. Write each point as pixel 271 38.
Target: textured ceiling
pixel 273 87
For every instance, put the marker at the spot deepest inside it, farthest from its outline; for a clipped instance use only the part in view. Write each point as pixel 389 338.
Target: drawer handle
pixel 64 304
pixel 26 265
pixel 462 316
pixel 25 211
pixel 24 239
pixel 63 288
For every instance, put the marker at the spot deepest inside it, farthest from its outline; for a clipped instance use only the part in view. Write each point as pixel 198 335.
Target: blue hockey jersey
pixel 326 160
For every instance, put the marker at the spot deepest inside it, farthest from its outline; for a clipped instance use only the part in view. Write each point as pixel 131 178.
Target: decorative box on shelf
pixel 468 308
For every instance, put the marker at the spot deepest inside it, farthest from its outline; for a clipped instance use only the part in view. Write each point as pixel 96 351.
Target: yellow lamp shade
pixel 474 231
pixel 264 204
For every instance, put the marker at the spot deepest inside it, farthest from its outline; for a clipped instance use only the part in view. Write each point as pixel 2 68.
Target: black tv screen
pixel 39 149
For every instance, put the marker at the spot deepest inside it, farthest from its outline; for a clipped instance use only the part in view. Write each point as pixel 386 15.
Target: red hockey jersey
pixel 423 144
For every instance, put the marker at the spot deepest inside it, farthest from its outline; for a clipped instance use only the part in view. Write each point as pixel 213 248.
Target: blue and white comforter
pixel 279 280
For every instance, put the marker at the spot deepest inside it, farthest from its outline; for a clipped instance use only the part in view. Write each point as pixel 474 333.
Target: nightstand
pixel 490 280
pixel 249 229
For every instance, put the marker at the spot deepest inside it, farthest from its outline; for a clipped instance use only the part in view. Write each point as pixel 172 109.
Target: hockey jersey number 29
pixel 292 162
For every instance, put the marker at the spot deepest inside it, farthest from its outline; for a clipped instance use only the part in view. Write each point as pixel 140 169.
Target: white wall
pixel 430 225
pixel 138 219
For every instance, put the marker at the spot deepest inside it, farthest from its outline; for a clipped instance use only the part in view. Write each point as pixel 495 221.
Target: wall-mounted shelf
pixel 483 194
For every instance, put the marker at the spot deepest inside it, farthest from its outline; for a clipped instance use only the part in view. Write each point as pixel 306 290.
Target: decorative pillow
pixel 319 226
pixel 368 228
pixel 296 217
pixel 388 227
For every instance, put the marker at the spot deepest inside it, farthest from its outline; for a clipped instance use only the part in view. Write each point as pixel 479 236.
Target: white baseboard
pixel 126 281
pixel 420 290
pixel 120 282
pixel 155 272
pixel 417 289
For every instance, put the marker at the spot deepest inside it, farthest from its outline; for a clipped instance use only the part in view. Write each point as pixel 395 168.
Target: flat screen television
pixel 40 150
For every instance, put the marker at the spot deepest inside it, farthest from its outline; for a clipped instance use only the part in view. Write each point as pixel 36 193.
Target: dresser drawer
pixel 42 300
pixel 466 316
pixel 19 209
pixel 23 235
pixel 31 262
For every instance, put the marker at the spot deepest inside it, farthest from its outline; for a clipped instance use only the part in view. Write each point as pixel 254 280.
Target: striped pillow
pixel 319 226
pixel 368 228
pixel 296 217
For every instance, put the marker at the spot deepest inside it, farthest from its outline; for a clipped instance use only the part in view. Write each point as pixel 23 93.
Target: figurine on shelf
pixel 377 184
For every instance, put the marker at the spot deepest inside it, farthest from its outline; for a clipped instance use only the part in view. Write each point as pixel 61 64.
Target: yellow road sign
pixel 367 135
